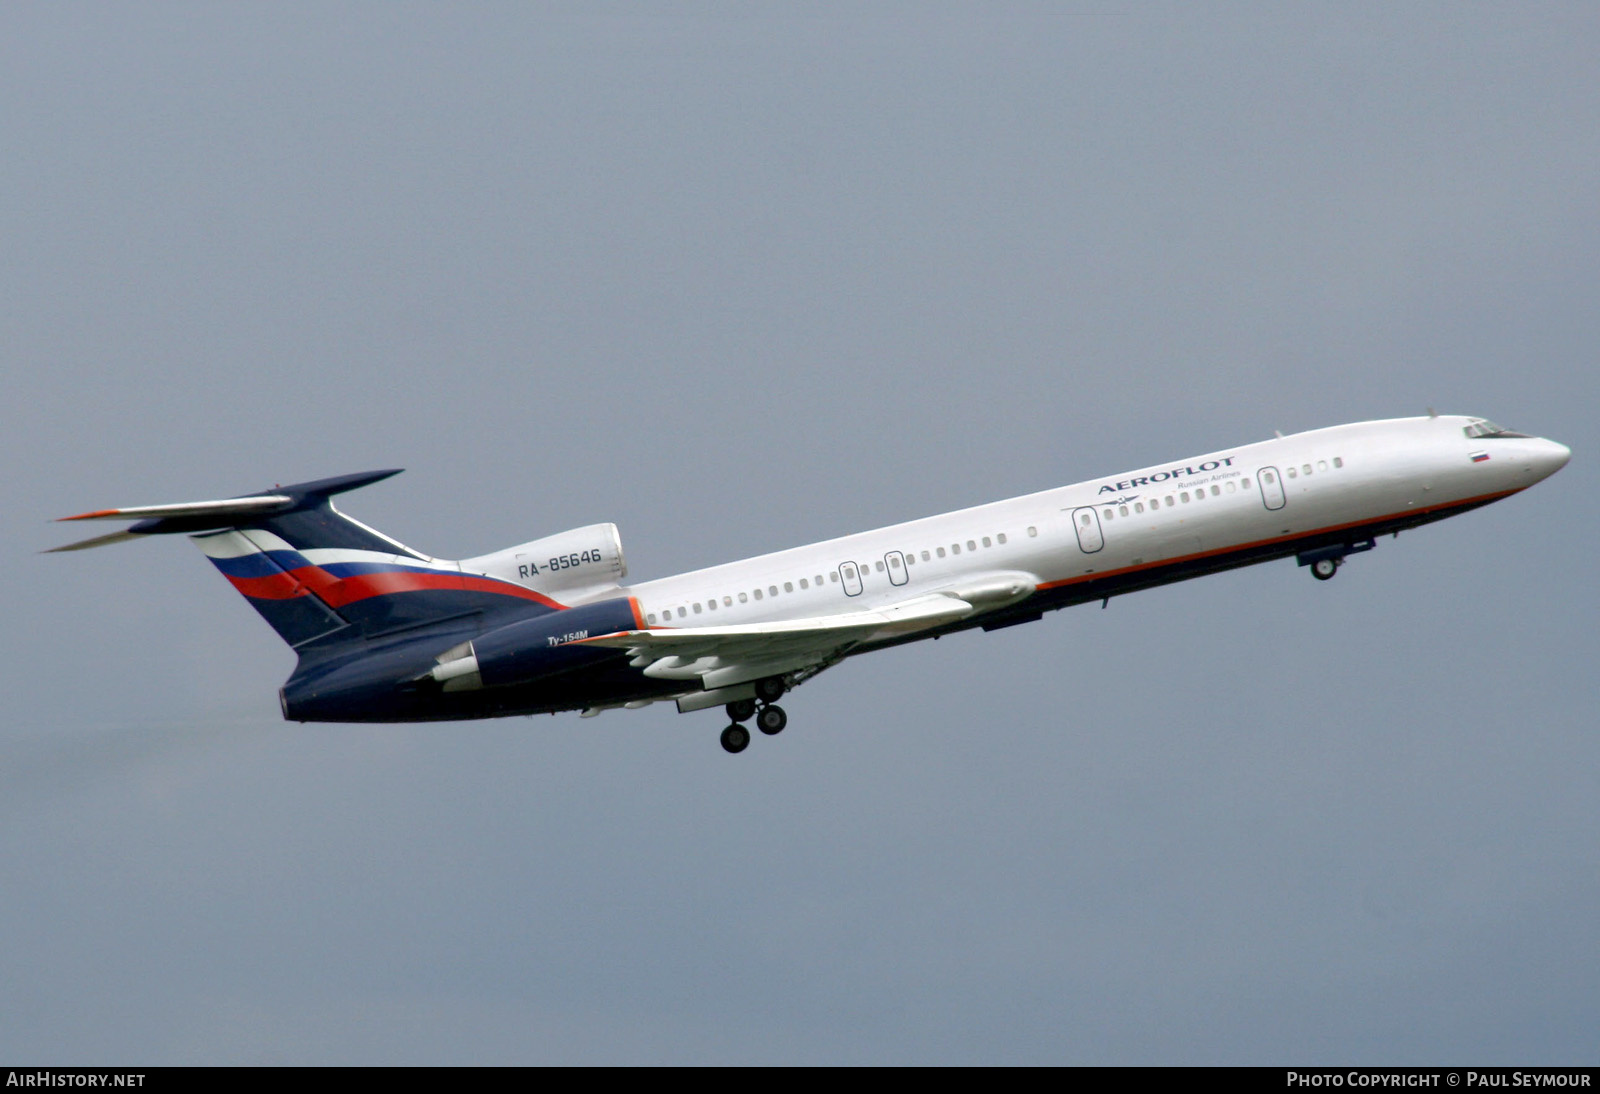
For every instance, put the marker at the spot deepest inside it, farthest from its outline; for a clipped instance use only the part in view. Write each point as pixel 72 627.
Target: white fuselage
pixel 1281 492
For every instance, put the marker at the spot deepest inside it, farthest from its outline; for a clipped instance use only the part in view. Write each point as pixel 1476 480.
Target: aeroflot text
pixel 1473 1079
pixel 1163 476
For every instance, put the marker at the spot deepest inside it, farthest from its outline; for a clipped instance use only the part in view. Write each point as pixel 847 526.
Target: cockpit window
pixel 1485 428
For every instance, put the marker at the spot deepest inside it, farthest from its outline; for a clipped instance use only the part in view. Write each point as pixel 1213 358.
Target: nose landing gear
pixel 1325 561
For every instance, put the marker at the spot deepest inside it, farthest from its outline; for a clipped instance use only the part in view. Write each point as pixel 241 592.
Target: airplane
pixel 385 633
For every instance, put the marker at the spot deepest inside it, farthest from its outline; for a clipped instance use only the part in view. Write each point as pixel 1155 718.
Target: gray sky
pixel 743 281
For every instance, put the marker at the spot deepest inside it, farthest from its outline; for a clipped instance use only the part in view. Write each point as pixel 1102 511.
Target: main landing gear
pixel 770 717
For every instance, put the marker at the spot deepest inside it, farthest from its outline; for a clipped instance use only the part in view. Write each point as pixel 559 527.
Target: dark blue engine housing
pixel 533 665
pixel 533 649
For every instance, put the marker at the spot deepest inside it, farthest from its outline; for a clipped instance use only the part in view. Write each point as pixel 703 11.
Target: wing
pixel 719 657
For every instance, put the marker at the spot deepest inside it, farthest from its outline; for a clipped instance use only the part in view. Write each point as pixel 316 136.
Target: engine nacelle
pixel 533 648
pixel 572 567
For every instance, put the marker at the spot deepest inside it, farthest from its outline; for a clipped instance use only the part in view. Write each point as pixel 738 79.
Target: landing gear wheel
pixel 770 690
pixel 741 710
pixel 736 738
pixel 1324 568
pixel 771 720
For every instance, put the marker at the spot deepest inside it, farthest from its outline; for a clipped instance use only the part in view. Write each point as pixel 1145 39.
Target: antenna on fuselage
pixel 1432 413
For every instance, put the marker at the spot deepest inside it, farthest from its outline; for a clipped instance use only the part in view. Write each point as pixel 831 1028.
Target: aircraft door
pixel 850 575
pixel 1086 522
pixel 895 563
pixel 1271 483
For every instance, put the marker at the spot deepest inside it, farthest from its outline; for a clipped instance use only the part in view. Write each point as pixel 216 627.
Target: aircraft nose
pixel 1548 457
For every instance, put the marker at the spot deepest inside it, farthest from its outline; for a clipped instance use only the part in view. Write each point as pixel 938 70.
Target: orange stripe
pixel 337 592
pixel 1275 539
pixel 91 516
pixel 278 586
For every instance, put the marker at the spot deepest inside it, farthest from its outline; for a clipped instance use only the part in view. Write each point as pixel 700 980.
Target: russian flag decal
pixel 1478 457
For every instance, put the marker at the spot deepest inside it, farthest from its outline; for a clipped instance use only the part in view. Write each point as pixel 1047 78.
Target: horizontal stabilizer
pixel 228 507
pixel 96 541
pixel 202 516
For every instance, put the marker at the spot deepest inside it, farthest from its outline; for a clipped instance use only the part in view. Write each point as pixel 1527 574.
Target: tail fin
pixel 317 576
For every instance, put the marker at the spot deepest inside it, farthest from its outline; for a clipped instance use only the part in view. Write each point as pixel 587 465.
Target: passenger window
pixel 1307 469
pixel 1169 501
pixel 711 605
pixel 1001 537
pixel 986 542
pixel 758 594
pixel 1291 473
pixel 772 590
pixel 696 607
pixel 1215 490
pixel 894 562
pixel 925 557
pixel 971 546
pixel 804 584
pixel 819 581
pixel 1322 465
pixel 1108 514
pixel 941 552
pixel 1122 509
pixel 833 576
pixel 1231 487
pixel 651 618
pixel 911 556
pixel 744 598
pixel 1184 496
pixel 682 612
pixel 788 586
pixel 727 602
pixel 955 548
pixel 1032 531
pixel 1244 483
pixel 1338 461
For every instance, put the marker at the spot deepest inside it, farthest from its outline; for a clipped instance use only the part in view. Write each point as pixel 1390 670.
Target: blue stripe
pixel 346 569
pixel 261 564
pixel 266 563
